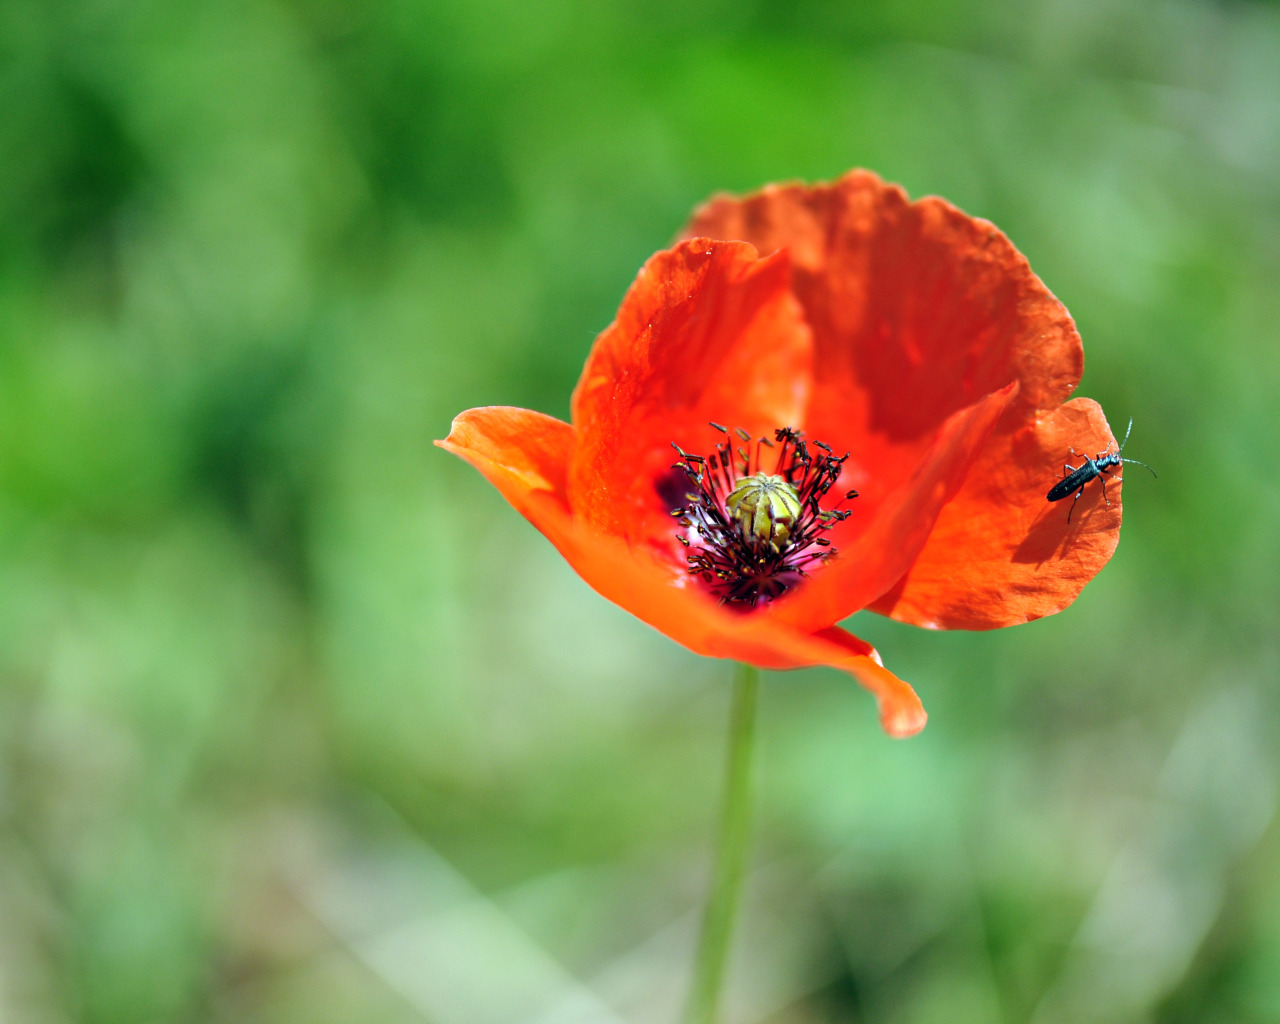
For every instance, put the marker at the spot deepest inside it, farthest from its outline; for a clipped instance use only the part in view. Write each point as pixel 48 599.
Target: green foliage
pixel 299 722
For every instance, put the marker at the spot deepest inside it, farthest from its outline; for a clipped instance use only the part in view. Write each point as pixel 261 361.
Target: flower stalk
pixel 731 853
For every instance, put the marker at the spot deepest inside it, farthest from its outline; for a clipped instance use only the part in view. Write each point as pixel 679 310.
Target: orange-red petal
pixel 529 471
pixel 883 547
pixel 1001 554
pixel 916 307
pixel 708 331
pixel 521 452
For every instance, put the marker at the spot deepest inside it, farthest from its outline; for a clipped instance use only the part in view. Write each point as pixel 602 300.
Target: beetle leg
pixel 1073 504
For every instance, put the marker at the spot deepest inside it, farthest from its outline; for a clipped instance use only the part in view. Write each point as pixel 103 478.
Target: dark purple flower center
pixel 753 519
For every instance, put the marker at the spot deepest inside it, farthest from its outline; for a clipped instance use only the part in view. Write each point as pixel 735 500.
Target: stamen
pixel 754 534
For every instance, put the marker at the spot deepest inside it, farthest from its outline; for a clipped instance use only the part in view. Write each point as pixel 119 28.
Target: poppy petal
pixel 770 644
pixel 1001 554
pixel 708 331
pixel 887 544
pixel 901 713
pixel 913 305
pixel 517 450
pixel 917 309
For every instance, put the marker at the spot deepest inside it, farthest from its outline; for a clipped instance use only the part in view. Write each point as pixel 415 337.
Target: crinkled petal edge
pixel 525 454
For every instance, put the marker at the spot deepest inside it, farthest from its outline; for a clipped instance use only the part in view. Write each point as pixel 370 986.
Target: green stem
pixel 731 855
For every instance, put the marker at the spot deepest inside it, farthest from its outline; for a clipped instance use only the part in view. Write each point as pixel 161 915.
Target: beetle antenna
pixel 1126 436
pixel 1144 466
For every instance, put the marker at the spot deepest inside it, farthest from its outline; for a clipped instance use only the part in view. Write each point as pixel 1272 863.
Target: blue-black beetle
pixel 1075 478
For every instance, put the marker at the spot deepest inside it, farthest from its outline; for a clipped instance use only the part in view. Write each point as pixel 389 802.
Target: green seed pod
pixel 766 506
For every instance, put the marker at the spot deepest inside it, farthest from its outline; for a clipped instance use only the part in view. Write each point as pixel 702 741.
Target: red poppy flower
pixel 861 343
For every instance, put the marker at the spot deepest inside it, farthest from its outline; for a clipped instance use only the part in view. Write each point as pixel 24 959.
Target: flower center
pixel 765 507
pixel 753 534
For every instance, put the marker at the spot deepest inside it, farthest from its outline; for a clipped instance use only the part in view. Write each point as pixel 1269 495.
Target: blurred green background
pixel 299 722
